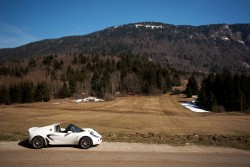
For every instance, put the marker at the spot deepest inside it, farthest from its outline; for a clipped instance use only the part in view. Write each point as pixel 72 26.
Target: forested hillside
pixel 207 48
pixel 40 79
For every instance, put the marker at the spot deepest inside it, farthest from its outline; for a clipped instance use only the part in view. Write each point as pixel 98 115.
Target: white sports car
pixel 40 137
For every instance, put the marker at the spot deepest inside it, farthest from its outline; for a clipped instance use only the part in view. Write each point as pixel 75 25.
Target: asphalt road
pixel 122 154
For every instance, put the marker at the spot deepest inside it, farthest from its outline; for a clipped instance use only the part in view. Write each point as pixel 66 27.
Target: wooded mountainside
pixel 207 48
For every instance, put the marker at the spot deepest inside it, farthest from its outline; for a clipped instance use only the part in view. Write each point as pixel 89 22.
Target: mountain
pixel 206 48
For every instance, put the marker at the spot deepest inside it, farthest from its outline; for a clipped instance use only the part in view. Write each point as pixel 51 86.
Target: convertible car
pixel 40 137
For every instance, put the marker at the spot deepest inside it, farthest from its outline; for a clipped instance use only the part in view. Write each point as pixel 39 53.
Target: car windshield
pixel 74 128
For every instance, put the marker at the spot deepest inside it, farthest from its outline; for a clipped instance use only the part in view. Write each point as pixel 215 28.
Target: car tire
pixel 38 142
pixel 85 142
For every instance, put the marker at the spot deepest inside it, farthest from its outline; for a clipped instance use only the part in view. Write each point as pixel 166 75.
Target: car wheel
pixel 38 142
pixel 85 142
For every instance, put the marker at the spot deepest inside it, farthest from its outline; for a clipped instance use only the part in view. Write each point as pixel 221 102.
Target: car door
pixel 63 138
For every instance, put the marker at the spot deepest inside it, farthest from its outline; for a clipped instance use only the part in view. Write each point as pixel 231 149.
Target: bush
pixel 218 108
pixel 176 92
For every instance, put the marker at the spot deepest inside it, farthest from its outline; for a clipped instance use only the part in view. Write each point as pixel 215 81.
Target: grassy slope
pixel 157 119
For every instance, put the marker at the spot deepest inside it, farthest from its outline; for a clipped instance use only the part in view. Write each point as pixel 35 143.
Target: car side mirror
pixel 69 132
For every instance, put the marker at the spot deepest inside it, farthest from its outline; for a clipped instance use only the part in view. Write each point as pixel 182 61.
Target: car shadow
pixel 25 144
pixel 63 146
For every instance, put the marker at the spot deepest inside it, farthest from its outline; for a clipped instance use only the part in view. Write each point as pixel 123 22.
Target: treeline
pixel 101 76
pixel 14 71
pixel 225 92
pixel 87 75
pixel 141 76
pixel 26 92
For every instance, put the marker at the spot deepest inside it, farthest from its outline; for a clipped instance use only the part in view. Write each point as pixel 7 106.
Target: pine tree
pixel 168 84
pixel 4 95
pixel 64 91
pixel 228 92
pixel 58 65
pixel 83 59
pixel 176 79
pixel 218 88
pixel 192 87
pixel 15 93
pixel 74 60
pixel 27 92
pixel 202 97
pixel 189 92
pixel 231 92
pixel 72 86
pixel 147 78
pixel 105 83
pixel 159 80
pixel 95 84
pixel 41 93
pixel 32 63
pixel 237 99
pixel 206 98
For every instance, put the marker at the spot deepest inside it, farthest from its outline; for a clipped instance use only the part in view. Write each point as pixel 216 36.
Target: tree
pixel 83 59
pixel 27 92
pixel 159 80
pixel 176 81
pixel 64 91
pixel 206 98
pixel 41 93
pixel 218 87
pixel 74 60
pixel 192 87
pixel 189 92
pixel 48 60
pixel 238 95
pixel 166 81
pixel 15 93
pixel 105 83
pixel 147 80
pixel 228 92
pixel 32 63
pixel 245 92
pixel 168 84
pixel 72 86
pixel 4 95
pixel 133 83
pixel 58 65
pixel 95 84
pixel 231 92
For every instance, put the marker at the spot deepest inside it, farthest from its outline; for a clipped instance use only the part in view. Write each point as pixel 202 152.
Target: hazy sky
pixel 24 21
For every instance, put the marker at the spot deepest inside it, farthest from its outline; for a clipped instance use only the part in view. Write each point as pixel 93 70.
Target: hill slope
pixel 200 48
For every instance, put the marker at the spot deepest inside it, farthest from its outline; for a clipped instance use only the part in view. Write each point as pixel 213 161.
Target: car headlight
pixel 93 134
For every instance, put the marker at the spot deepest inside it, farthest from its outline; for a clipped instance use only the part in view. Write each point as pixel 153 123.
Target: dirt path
pixel 122 154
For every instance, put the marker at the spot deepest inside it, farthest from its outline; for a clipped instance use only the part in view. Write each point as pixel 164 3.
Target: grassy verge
pixel 233 141
pixel 13 137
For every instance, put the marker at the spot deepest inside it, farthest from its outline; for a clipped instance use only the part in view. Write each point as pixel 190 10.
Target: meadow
pixel 150 119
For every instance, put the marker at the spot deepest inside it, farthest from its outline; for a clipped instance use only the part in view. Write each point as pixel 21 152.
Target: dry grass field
pixel 133 118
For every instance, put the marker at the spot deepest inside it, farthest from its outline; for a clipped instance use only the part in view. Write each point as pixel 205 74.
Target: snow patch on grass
pixel 88 99
pixel 193 107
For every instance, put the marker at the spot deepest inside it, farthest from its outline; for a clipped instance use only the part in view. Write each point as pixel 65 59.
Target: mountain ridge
pixel 205 48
